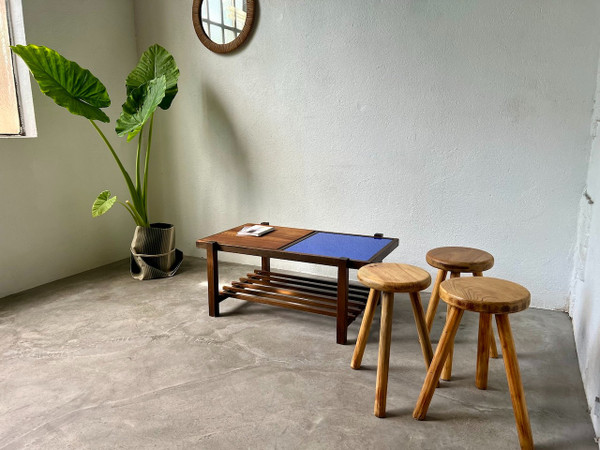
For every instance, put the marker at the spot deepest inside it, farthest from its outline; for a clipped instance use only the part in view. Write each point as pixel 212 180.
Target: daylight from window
pixel 10 122
pixel 223 20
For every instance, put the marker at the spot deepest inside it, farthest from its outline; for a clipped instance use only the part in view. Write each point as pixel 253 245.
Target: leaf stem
pixel 146 163
pixel 140 220
pixel 130 212
pixel 137 162
pixel 132 190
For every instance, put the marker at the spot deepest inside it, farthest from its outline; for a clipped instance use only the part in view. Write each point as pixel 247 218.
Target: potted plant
pixel 152 84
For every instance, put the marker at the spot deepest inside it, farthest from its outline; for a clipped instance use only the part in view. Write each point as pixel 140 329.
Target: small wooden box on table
pixel 340 299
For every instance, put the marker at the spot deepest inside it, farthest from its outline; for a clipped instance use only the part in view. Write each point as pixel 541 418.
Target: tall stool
pixel 388 278
pixel 485 296
pixel 456 260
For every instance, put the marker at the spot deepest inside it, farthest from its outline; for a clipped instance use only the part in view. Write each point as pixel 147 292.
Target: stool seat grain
pixel 392 277
pixel 485 295
pixel 460 259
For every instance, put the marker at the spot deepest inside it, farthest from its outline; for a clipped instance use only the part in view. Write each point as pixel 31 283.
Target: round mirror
pixel 222 25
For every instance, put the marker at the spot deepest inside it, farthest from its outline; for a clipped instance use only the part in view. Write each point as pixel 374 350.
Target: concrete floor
pixel 99 360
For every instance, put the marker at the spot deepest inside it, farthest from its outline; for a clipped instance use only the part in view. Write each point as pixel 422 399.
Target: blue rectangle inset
pixel 359 248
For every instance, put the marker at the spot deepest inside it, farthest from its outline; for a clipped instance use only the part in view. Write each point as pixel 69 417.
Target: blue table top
pixel 359 248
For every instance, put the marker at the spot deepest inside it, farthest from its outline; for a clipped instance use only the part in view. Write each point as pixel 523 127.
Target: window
pixel 16 112
pixel 223 20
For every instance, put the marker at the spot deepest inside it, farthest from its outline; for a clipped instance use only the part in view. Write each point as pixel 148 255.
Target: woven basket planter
pixel 153 252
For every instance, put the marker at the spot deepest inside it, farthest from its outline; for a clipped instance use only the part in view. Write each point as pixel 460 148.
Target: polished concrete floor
pixel 99 360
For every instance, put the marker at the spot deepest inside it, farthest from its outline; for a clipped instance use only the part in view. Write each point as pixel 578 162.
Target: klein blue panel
pixel 359 248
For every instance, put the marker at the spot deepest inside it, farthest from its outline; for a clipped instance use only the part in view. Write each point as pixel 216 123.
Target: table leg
pixel 212 271
pixel 265 264
pixel 342 302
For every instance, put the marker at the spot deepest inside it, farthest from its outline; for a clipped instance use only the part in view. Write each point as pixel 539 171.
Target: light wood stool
pixel 485 296
pixel 456 260
pixel 388 278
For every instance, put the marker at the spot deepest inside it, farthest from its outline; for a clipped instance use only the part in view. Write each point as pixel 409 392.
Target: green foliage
pixel 154 63
pixel 65 82
pixel 150 85
pixel 139 107
pixel 103 203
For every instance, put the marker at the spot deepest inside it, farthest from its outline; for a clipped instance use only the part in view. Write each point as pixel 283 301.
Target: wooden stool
pixel 456 260
pixel 485 296
pixel 390 278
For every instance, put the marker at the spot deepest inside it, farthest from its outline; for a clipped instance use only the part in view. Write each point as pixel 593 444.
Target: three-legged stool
pixel 456 260
pixel 485 296
pixel 388 278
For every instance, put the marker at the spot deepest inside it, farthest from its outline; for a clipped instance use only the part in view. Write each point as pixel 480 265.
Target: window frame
pixel 16 31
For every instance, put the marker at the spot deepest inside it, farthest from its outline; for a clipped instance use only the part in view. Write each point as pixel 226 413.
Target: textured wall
pixel 49 182
pixel 438 122
pixel 585 301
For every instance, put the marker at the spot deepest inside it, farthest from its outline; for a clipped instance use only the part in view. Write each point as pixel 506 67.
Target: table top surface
pixel 309 242
pixel 338 245
pixel 274 240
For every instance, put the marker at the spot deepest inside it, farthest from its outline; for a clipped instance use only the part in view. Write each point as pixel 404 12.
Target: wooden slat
pixel 279 297
pixel 309 287
pixel 288 293
pixel 257 299
pixel 356 287
pixel 353 299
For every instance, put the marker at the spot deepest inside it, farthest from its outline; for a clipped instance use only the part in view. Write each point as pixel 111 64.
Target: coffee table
pixel 340 299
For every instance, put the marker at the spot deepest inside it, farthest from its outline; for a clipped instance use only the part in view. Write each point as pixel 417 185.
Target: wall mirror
pixel 222 25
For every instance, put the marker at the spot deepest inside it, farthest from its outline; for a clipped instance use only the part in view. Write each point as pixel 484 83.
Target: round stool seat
pixel 392 277
pixel 485 295
pixel 460 259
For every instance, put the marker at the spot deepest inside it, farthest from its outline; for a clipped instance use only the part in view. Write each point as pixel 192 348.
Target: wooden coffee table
pixel 340 299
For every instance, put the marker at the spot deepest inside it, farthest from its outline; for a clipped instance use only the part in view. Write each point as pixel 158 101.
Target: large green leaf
pixel 154 63
pixel 65 82
pixel 103 203
pixel 140 105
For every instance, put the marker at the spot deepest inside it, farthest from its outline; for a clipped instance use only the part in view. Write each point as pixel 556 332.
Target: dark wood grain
pixel 306 286
pixel 273 245
pixel 342 303
pixel 353 307
pixel 280 237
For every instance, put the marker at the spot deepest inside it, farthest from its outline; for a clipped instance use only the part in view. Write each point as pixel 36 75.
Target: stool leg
pixel 365 327
pixel 493 348
pixel 435 299
pixel 435 369
pixel 383 361
pixel 483 350
pixel 517 395
pixel 415 299
pixel 447 372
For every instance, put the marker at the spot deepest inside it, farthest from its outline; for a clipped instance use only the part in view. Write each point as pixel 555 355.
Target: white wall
pixel 49 183
pixel 441 123
pixel 585 301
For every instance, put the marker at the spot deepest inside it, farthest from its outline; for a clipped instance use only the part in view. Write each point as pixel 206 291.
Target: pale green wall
pixel 439 122
pixel 48 183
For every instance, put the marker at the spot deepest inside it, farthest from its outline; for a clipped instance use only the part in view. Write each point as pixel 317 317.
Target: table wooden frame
pixel 340 298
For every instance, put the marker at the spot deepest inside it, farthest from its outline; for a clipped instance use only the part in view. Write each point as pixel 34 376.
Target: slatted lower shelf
pixel 301 293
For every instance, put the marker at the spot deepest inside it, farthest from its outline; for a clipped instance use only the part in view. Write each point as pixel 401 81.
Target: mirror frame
pixel 230 46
